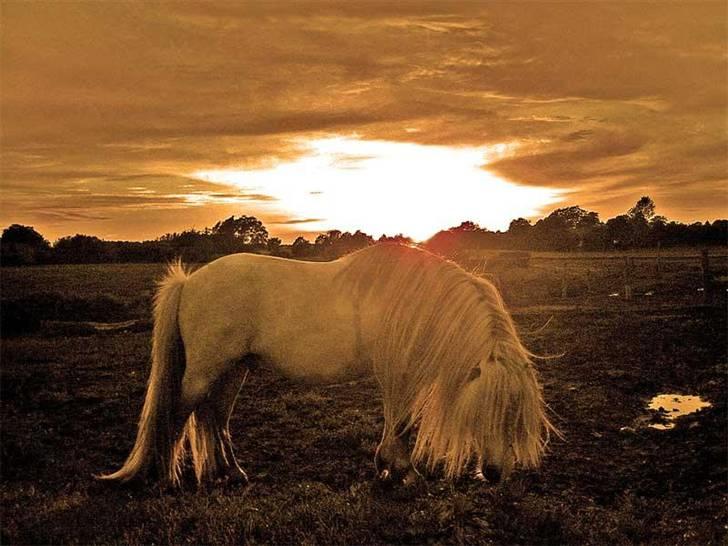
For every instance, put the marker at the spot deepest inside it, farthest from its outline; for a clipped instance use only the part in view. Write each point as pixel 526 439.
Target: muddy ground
pixel 71 398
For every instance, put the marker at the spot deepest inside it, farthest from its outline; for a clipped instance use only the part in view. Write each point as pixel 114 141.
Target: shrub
pixel 17 319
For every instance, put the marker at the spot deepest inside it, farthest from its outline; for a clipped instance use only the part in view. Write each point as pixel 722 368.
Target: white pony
pixel 438 340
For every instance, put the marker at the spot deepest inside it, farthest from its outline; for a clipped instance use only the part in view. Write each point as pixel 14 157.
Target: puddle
pixel 672 406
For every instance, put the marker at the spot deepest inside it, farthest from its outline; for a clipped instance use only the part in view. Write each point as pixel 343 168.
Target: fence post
pixel 707 279
pixel 628 266
pixel 588 282
pixel 658 265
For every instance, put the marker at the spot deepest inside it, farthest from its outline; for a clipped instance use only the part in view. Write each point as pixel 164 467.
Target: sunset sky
pixel 127 120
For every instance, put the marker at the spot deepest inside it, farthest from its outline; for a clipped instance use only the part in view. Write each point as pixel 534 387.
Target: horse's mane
pixel 437 323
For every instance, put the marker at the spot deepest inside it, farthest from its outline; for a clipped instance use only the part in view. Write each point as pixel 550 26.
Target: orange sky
pixel 127 120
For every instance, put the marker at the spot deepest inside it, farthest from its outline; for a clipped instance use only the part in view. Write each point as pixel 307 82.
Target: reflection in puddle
pixel 672 406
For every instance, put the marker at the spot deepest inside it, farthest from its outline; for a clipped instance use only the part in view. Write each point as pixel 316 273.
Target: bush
pixel 55 306
pixel 17 319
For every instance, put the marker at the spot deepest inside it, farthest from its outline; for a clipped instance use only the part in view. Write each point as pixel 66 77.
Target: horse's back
pixel 286 311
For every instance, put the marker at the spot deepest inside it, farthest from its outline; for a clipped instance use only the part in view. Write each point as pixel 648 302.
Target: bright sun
pixel 384 187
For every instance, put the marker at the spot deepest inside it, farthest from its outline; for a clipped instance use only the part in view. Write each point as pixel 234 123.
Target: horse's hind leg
pixel 210 441
pixel 224 403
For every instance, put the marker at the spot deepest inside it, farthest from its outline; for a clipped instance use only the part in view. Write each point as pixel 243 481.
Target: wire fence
pixel 699 277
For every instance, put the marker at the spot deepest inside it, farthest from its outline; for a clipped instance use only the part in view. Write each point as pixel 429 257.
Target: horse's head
pixel 501 412
pixel 492 413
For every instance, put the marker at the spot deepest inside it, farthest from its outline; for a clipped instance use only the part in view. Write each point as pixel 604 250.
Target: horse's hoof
pixel 385 475
pixel 411 478
pixel 479 476
pixel 237 476
pixel 233 477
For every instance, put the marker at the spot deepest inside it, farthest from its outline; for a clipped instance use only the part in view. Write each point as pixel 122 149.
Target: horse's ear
pixel 474 373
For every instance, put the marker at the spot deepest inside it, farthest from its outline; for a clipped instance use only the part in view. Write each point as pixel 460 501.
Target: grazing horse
pixel 438 340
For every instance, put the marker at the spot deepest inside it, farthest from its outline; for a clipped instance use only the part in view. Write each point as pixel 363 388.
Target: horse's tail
pixel 154 447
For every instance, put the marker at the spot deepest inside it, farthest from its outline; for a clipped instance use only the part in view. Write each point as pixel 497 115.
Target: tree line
pixel 565 229
pixel 573 228
pixel 23 245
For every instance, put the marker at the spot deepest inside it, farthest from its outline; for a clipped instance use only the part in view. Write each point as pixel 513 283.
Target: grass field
pixel 71 398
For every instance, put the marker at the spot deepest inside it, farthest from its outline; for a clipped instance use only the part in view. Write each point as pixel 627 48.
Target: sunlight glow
pixel 384 187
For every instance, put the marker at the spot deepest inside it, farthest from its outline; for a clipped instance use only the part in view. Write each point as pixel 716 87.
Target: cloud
pixel 601 97
pixel 571 161
pixel 66 215
pixel 297 221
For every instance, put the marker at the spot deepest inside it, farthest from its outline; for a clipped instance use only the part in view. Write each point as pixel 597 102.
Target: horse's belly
pixel 306 329
pixel 312 355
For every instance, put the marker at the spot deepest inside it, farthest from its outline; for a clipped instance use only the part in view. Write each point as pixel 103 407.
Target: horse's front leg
pixel 392 459
pixel 496 473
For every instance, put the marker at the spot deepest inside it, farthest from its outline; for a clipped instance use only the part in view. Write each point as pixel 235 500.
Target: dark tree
pixel 657 230
pixel 81 249
pixel 717 234
pixel 640 216
pixel 274 246
pixel 301 247
pixel 19 234
pixel 573 217
pixel 452 241
pixel 247 230
pixel 349 242
pixel 645 208
pixel 519 233
pixel 399 238
pixel 519 226
pixel 23 245
pixel 334 243
pixel 620 232
pixel 326 244
pixel 466 226
pixel 565 228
